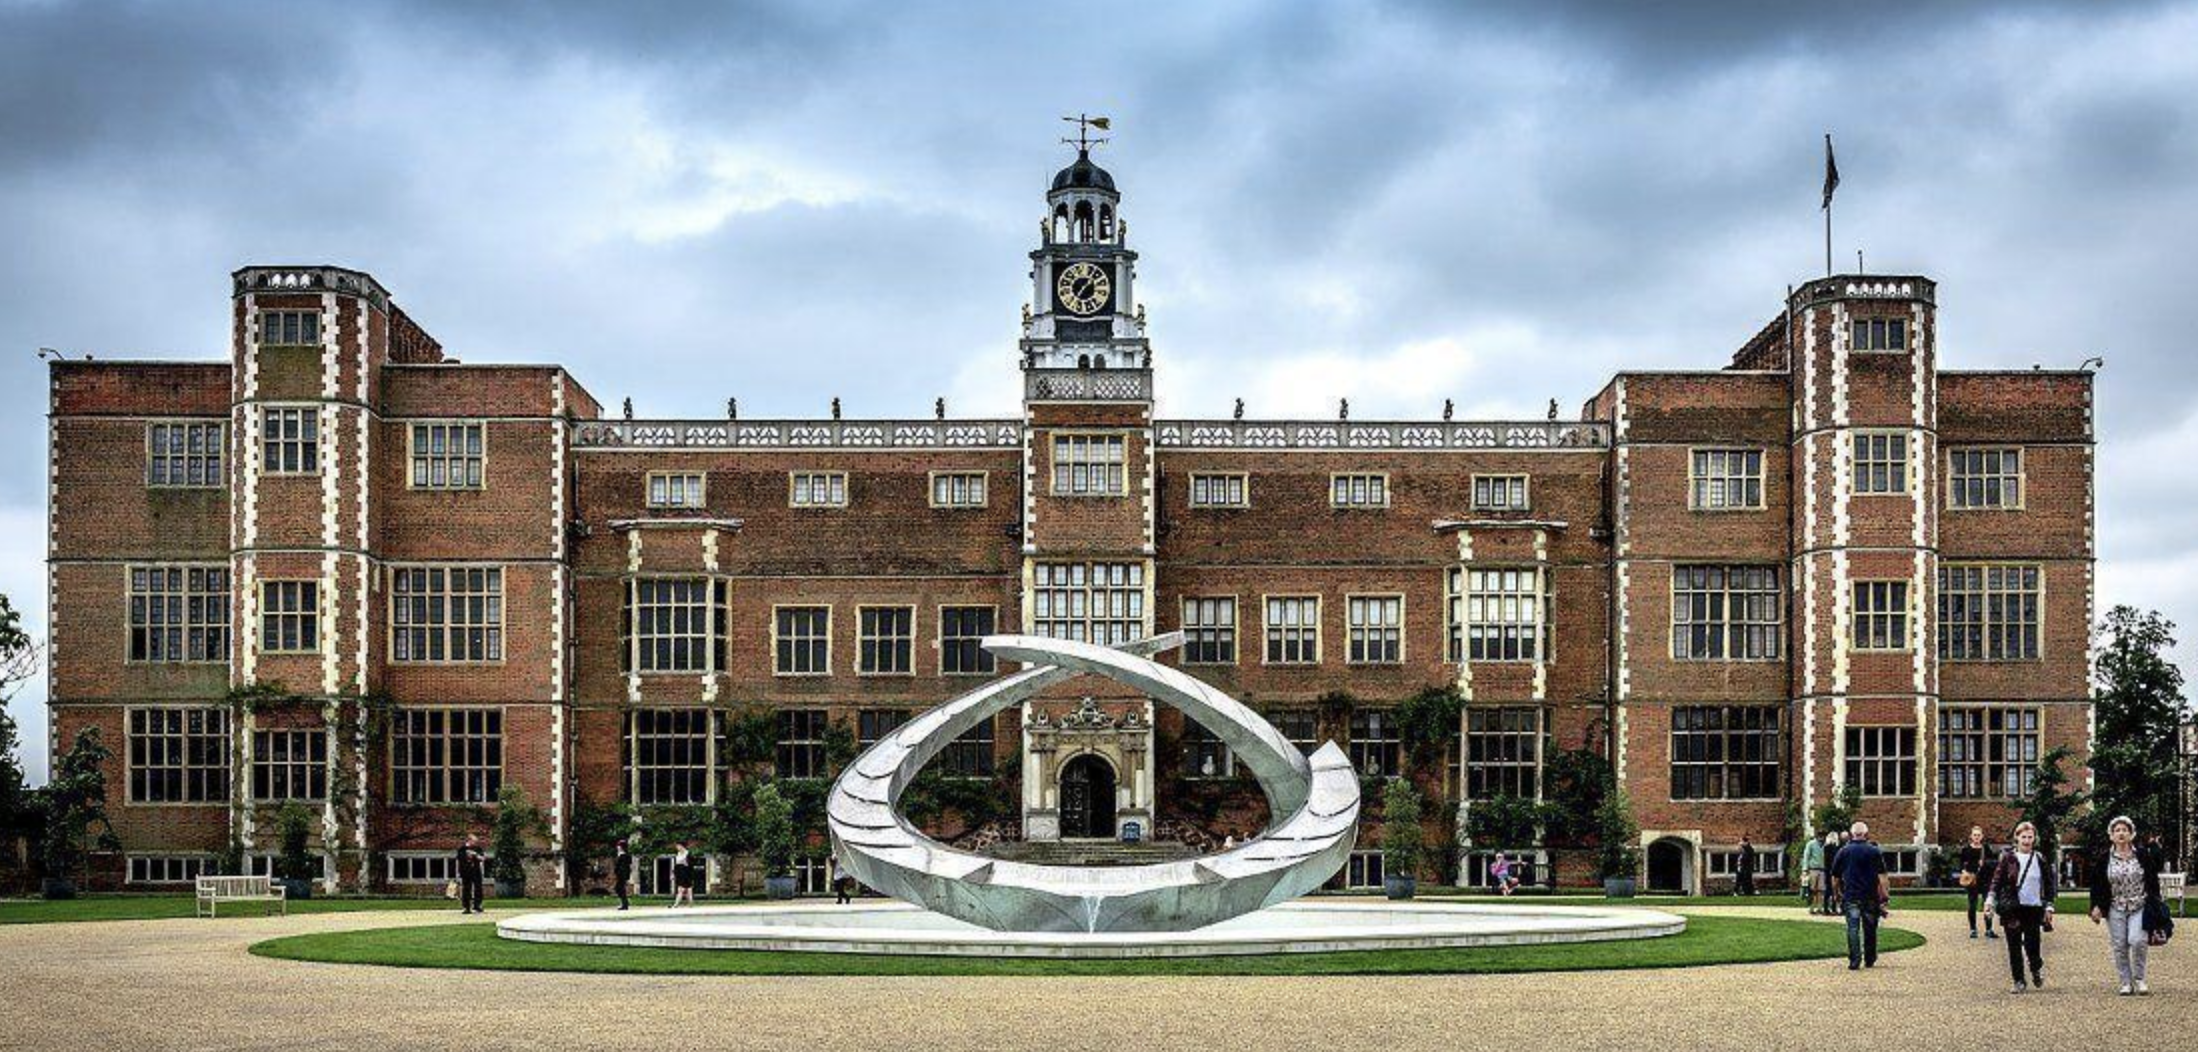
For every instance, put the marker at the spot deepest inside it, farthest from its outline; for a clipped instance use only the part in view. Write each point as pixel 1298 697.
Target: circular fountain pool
pixel 1305 926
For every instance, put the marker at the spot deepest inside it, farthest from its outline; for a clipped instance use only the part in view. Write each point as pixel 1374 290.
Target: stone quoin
pixel 1829 562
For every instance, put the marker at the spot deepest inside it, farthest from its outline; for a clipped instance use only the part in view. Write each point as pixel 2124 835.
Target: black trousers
pixel 469 893
pixel 1976 896
pixel 622 885
pixel 1746 884
pixel 2024 925
pixel 843 888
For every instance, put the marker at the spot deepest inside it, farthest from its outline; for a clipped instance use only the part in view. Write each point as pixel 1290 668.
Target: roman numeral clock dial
pixel 1083 288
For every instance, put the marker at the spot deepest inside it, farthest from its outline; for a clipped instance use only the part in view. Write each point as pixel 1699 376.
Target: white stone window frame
pixel 1361 872
pixel 449 772
pixel 884 716
pixel 182 746
pixel 1878 456
pixel 1869 767
pixel 1353 628
pixel 676 490
pixel 811 747
pixel 1731 624
pixel 1234 489
pixel 2018 480
pixel 1288 719
pixel 1383 735
pixel 1479 599
pixel 1304 629
pixel 263 863
pixel 1058 581
pixel 278 437
pixel 131 594
pixel 1727 764
pixel 212 457
pixel 1539 734
pixel 291 769
pixel 495 639
pixel 983 740
pixel 1897 611
pixel 1876 335
pixel 1980 599
pixel 1724 861
pixel 802 489
pixel 165 868
pixel 1205 742
pixel 2029 741
pixel 274 321
pixel 1357 490
pixel 277 609
pixel 1514 488
pixel 422 867
pixel 943 643
pixel 960 490
pixel 421 460
pixel 715 598
pixel 779 635
pixel 867 643
pixel 1194 622
pixel 1721 468
pixel 635 767
pixel 1104 458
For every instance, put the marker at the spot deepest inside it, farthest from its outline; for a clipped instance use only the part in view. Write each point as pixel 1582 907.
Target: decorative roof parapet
pixel 309 279
pixel 1347 434
pixel 1087 385
pixel 798 434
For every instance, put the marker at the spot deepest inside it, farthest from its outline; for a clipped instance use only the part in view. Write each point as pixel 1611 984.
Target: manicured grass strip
pixel 160 907
pixel 1707 940
pixel 1954 901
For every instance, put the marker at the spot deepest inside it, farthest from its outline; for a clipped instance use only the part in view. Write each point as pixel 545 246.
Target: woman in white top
pixel 2023 889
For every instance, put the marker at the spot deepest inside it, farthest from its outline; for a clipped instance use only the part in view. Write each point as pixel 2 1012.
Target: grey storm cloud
pixel 1395 203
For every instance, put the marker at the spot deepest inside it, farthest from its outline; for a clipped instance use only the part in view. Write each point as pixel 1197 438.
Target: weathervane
pixel 1084 123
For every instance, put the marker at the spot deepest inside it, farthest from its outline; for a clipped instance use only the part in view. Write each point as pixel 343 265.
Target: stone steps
pixel 1088 852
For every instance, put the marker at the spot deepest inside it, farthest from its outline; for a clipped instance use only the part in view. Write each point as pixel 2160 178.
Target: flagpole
pixel 1827 238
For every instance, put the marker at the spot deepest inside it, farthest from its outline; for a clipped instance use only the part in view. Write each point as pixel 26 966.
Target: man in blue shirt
pixel 1858 872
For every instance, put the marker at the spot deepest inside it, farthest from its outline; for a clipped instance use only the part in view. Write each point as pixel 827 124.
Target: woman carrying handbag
pixel 2023 889
pixel 2125 892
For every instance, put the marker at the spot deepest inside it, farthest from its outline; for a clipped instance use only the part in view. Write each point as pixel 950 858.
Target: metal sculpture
pixel 1315 799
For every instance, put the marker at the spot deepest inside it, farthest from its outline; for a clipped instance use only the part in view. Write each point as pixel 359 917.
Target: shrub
pixel 774 831
pixel 1620 855
pixel 1402 841
pixel 75 802
pixel 515 818
pixel 1505 822
pixel 293 825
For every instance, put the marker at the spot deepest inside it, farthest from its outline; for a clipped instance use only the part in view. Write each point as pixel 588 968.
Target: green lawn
pixel 1954 901
pixel 1707 940
pixel 158 907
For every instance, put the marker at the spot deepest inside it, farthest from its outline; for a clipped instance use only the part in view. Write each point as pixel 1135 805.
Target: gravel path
pixel 190 984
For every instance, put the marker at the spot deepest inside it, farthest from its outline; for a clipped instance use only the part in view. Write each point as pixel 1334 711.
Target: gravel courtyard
pixel 190 984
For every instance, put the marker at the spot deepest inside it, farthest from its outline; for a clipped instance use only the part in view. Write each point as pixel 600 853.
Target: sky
pixel 1390 203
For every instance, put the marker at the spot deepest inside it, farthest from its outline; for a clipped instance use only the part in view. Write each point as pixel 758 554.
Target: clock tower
pixel 1083 314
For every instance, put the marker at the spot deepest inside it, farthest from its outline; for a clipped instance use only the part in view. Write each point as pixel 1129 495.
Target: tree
pixel 1427 721
pixel 1575 785
pixel 515 818
pixel 1505 822
pixel 1403 843
pixel 2138 704
pixel 293 825
pixel 19 657
pixel 76 804
pixel 2049 807
pixel 1838 814
pixel 774 831
pixel 1620 854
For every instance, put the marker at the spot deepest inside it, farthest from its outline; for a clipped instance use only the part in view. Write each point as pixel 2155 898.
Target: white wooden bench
pixel 2172 884
pixel 213 891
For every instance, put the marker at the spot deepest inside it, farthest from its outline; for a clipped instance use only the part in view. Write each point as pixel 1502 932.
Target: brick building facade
pixel 1829 563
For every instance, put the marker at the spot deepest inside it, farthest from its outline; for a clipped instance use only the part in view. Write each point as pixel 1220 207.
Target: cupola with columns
pixel 1083 313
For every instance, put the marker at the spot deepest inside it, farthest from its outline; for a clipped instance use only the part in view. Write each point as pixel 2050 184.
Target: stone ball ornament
pixel 1315 801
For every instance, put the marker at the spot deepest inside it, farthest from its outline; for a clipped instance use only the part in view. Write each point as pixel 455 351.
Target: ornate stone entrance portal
pixel 1087 773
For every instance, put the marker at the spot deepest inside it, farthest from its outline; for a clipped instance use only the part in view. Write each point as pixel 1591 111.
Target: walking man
pixel 1744 877
pixel 843 886
pixel 471 867
pixel 622 874
pixel 1858 874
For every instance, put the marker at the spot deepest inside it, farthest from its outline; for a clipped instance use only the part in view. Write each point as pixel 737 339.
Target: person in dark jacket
pixel 1858 876
pixel 2125 882
pixel 2024 886
pixel 1975 874
pixel 1744 878
pixel 622 874
pixel 472 866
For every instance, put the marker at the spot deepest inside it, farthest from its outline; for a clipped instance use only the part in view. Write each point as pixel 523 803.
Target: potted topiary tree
pixel 1619 858
pixel 515 818
pixel 1402 841
pixel 775 841
pixel 294 867
pixel 75 802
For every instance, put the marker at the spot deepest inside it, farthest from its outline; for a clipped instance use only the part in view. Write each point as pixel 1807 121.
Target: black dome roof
pixel 1083 175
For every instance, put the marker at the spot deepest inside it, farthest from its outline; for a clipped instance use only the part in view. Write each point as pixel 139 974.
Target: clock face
pixel 1083 288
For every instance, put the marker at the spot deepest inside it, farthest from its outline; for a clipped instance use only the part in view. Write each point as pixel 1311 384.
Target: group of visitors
pixel 2017 888
pixel 688 870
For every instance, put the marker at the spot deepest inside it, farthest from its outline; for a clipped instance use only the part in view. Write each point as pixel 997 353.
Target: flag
pixel 1831 172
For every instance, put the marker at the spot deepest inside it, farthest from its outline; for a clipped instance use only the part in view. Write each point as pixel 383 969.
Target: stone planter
pixel 1617 887
pixel 511 889
pixel 57 888
pixel 1399 887
pixel 296 889
pixel 778 887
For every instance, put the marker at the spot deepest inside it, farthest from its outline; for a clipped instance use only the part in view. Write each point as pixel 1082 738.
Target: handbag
pixel 2159 926
pixel 1967 879
pixel 450 890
